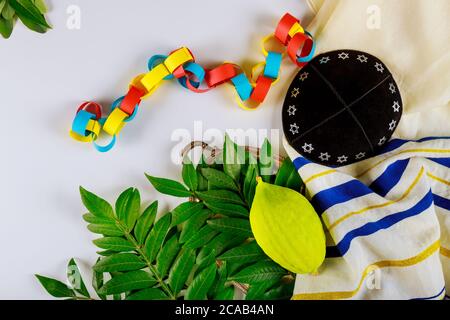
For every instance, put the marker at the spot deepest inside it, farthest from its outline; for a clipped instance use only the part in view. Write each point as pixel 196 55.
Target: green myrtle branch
pixel 138 249
pixel 29 12
pixel 203 249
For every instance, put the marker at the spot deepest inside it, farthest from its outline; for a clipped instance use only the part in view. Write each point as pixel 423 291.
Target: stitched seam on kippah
pixel 368 92
pixel 356 118
pixel 319 125
pixel 346 107
pixel 362 129
pixel 330 85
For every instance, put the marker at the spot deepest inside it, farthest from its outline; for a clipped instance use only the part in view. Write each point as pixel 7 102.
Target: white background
pixel 43 78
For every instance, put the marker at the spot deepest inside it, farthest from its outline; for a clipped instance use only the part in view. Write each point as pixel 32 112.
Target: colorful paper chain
pixel 180 64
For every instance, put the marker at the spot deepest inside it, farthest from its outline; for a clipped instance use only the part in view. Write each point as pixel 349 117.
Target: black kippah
pixel 341 108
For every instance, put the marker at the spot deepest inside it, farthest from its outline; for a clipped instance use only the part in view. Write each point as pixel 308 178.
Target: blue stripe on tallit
pixel 442 161
pixel 325 199
pixel 441 202
pixel 397 143
pixel 300 162
pixel 393 144
pixel 384 223
pixel 390 146
pixel 433 297
pixel 390 177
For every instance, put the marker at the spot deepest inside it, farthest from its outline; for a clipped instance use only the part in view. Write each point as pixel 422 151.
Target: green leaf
pixel 75 279
pixel 294 181
pixel 219 179
pixel 237 265
pixel 167 255
pixel 128 207
pixel 235 268
pixel 185 211
pixel 2 5
pixel 228 209
pixel 145 222
pixel 280 292
pixel 201 284
pixel 189 174
pixel 257 290
pixel 90 218
pixel 266 161
pixel 284 173
pixel 106 253
pixel 219 284
pixel 8 12
pixel 202 183
pixel 193 225
pixel 250 183
pixel 40 4
pixel 55 288
pixel 250 159
pixel 148 294
pixel 169 187
pixel 222 242
pixel 220 196
pixel 129 281
pixel 259 272
pixel 96 205
pixel 202 237
pixel 244 253
pixel 6 27
pixel 114 244
pixel 181 270
pixel 97 282
pixel 119 262
pixel 156 237
pixel 238 227
pixel 232 158
pixel 27 10
pixel 30 24
pixel 226 293
pixel 105 229
pixel 206 259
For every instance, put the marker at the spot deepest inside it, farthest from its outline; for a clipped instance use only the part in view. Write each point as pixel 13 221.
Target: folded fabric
pixel 411 37
pixel 387 220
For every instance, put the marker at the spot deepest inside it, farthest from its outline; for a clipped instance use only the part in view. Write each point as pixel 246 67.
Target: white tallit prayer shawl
pixel 411 37
pixel 387 221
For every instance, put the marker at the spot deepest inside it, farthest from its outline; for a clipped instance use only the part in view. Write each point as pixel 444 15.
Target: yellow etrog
pixel 287 228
